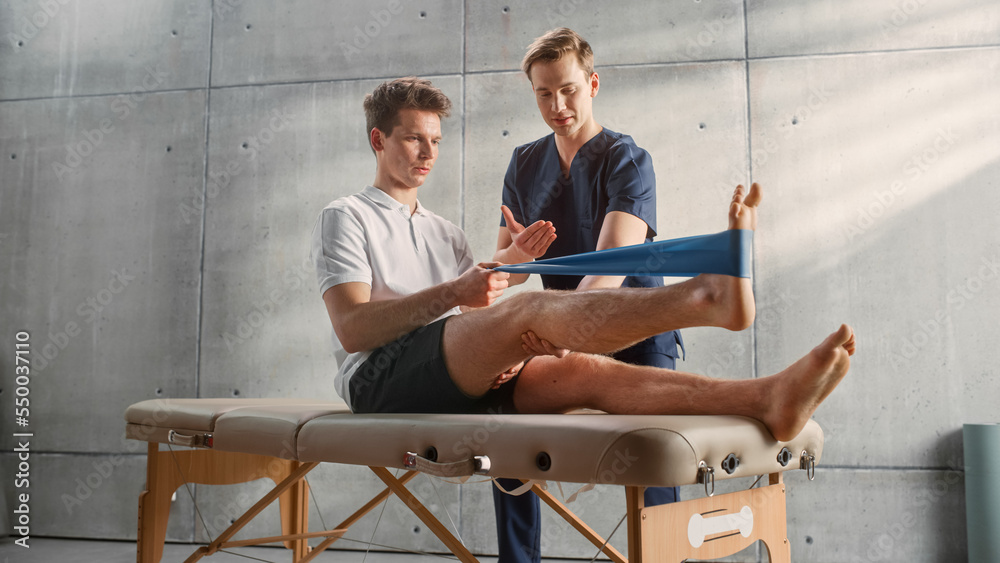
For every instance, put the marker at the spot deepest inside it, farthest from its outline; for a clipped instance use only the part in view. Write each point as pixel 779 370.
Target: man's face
pixel 408 154
pixel 564 93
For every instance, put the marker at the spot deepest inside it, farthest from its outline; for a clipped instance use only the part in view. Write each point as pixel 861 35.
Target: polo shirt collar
pixel 383 199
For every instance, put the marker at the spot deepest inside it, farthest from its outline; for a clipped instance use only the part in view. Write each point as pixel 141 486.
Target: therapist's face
pixel 565 94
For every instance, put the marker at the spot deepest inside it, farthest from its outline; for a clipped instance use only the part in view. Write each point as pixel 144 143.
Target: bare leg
pixel 483 343
pixel 784 402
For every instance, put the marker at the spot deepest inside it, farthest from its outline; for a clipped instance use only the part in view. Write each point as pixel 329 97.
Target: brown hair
pixel 554 45
pixel 383 104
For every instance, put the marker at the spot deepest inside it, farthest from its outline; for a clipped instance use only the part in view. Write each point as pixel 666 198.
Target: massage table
pixel 227 441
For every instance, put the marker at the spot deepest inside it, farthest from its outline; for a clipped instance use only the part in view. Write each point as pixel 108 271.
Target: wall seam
pixel 204 222
pixel 754 368
pixel 464 85
pixel 463 72
pixel 462 187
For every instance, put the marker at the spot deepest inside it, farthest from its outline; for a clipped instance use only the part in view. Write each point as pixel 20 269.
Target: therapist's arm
pixel 619 229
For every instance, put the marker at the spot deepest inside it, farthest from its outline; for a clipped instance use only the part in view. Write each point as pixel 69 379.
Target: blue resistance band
pixel 726 253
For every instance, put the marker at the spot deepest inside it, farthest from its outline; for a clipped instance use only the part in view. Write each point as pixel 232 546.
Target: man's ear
pixel 595 84
pixel 377 139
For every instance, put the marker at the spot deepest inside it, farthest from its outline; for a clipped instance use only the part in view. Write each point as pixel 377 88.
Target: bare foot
pixel 800 388
pixel 731 298
pixel 743 209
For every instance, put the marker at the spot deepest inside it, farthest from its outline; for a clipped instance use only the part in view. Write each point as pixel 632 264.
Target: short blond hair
pixel 556 44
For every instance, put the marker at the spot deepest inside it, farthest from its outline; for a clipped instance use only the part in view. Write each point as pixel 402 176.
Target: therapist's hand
pixel 507 375
pixel 532 344
pixel 528 242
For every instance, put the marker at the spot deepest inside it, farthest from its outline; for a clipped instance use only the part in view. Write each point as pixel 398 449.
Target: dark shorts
pixel 409 376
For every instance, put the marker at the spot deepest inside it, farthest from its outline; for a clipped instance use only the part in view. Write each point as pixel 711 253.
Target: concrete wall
pixel 162 163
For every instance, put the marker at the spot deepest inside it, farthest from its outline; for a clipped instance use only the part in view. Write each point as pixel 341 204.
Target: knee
pixel 527 305
pixel 581 364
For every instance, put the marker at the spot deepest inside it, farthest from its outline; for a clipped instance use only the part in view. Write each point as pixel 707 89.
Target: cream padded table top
pixel 583 448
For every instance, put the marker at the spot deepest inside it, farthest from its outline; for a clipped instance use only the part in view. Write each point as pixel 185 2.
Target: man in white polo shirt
pixel 394 276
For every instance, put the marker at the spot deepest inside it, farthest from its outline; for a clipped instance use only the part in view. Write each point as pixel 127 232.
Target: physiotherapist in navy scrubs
pixel 598 190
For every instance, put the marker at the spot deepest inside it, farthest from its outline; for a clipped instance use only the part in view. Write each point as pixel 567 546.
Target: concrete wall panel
pixel 98 266
pixel 262 42
pixel 89 496
pixel 74 48
pixel 621 33
pixel 862 515
pixel 881 179
pixel 278 156
pixel 788 27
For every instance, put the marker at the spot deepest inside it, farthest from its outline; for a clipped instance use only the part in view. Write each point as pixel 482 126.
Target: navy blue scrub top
pixel 608 173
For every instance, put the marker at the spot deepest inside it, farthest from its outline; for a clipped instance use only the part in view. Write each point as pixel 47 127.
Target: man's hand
pixel 507 375
pixel 535 346
pixel 480 286
pixel 529 242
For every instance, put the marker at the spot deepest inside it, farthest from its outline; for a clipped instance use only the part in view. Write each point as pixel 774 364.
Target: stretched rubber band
pixel 727 253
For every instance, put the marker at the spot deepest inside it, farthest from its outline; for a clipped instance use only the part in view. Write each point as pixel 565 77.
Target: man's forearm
pixel 510 255
pixel 376 323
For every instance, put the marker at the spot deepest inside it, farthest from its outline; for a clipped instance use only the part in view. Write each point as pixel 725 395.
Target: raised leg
pixel 600 321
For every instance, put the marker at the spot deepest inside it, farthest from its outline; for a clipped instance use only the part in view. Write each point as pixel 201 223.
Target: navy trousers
pixel 519 519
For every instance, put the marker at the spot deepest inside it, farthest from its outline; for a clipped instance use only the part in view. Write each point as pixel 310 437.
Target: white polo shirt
pixel 371 238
